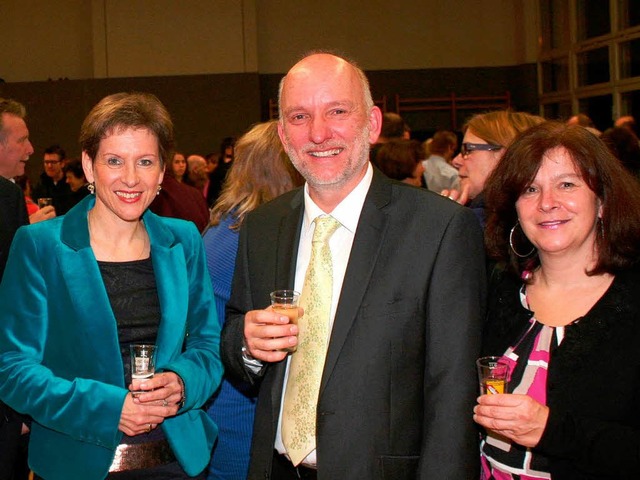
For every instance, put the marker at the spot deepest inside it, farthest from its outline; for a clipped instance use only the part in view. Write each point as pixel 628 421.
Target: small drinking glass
pixel 143 363
pixel 44 202
pixel 493 375
pixel 285 302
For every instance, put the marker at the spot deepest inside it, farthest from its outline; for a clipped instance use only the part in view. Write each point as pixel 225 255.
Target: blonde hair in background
pixel 260 171
pixel 502 126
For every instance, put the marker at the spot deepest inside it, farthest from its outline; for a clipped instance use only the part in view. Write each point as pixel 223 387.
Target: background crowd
pixel 139 242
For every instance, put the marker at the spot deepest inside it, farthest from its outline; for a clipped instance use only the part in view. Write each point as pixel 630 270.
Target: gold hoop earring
pixel 533 249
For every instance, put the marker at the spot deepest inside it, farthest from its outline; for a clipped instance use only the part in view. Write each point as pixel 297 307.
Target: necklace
pixel 109 256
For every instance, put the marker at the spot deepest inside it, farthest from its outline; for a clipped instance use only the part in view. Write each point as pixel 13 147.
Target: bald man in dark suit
pixel 396 390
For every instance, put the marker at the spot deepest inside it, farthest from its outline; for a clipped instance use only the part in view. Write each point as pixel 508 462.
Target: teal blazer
pixel 60 360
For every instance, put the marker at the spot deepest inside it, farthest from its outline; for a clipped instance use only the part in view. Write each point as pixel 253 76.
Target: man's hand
pixel 45 213
pixel 267 334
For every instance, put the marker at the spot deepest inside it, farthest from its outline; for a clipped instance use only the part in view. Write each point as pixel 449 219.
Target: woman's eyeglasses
pixel 466 148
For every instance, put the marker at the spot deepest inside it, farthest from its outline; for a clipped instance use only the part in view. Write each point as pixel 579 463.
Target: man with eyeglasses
pixel 52 180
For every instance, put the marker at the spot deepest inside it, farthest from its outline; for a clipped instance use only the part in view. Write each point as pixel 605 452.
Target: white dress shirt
pixel 440 175
pixel 348 214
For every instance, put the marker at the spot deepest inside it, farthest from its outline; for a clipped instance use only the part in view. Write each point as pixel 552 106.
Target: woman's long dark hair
pixel 618 239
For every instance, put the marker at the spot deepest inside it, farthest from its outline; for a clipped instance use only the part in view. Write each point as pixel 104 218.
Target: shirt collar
pixel 347 212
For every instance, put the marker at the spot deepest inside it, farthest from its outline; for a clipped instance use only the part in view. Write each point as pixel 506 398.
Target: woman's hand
pixel 136 418
pixel 142 412
pixel 517 417
pixel 461 196
pixel 165 389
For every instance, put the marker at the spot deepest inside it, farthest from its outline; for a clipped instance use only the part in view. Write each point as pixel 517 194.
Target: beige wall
pixel 43 39
pixel 174 37
pixel 397 35
pixel 79 39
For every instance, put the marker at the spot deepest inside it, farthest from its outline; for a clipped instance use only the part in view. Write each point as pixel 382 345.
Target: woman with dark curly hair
pixel 564 218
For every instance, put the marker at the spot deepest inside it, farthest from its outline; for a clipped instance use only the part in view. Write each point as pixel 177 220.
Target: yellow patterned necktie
pixel 307 363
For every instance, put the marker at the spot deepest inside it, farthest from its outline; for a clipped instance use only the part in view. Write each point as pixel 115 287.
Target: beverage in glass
pixel 285 302
pixel 493 375
pixel 143 363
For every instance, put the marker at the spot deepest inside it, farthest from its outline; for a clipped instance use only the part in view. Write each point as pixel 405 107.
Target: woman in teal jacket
pixel 79 289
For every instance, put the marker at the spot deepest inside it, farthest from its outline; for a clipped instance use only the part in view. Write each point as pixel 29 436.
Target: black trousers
pixel 13 446
pixel 283 469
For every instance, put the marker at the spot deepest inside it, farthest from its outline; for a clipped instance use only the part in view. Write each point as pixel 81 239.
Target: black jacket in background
pixel 59 192
pixel 13 214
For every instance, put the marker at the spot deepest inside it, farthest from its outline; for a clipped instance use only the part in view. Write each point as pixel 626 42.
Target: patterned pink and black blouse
pixel 528 362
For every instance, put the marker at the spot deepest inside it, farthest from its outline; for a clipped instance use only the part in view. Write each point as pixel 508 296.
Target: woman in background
pixel 74 176
pixel 178 166
pixel 564 218
pixel 486 137
pixel 260 172
pixel 402 160
pixel 80 289
pixel 625 146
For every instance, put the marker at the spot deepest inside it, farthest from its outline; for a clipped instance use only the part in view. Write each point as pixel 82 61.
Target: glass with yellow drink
pixel 493 375
pixel 285 302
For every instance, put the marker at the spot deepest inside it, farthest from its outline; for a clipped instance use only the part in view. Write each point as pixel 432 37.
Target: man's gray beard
pixel 345 175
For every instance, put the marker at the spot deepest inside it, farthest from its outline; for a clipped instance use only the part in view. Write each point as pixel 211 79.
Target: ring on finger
pixel 165 403
pixel 148 428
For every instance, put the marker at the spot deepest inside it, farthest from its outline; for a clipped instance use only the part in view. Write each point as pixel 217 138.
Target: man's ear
pixel 375 124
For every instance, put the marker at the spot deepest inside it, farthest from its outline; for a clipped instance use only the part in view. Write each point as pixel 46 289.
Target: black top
pixel 131 287
pixel 132 291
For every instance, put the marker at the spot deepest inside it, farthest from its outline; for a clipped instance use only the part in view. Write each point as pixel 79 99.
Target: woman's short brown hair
pixel 121 111
pixel 618 239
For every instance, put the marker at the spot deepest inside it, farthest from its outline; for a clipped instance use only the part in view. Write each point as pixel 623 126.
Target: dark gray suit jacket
pixel 13 214
pixel 399 382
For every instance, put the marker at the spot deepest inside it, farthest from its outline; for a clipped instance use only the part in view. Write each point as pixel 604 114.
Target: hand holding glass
pixel 493 374
pixel 285 302
pixel 143 364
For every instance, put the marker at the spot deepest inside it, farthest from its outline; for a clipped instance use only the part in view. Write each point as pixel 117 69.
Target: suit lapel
pixel 92 307
pixel 285 273
pixel 173 293
pixel 172 285
pixel 288 242
pixel 370 236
